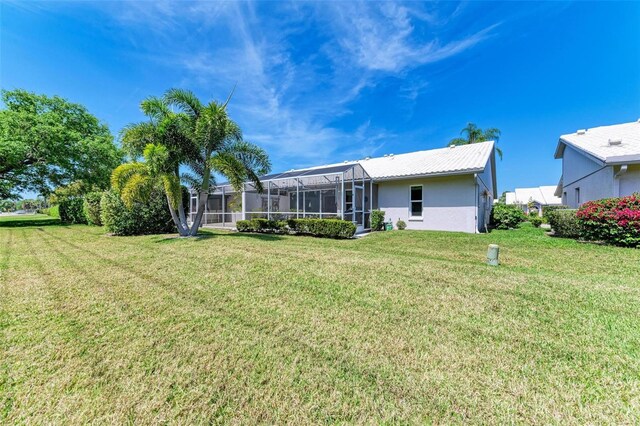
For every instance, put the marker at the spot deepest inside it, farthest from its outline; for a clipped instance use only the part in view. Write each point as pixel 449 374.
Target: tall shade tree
pixel 48 142
pixel 198 137
pixel 473 134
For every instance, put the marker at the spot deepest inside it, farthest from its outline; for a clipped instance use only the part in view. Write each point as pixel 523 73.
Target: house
pixel 600 162
pixel 533 198
pixel 449 189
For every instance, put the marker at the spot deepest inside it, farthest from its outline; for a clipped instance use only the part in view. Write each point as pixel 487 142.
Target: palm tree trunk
pixel 183 228
pixel 202 200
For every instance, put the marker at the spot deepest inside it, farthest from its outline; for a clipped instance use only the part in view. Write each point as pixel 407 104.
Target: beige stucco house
pixel 600 162
pixel 537 198
pixel 448 189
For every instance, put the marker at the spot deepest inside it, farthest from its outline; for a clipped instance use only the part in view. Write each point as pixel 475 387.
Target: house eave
pixel 427 175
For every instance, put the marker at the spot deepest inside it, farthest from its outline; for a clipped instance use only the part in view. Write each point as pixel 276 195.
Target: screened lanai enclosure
pixel 333 192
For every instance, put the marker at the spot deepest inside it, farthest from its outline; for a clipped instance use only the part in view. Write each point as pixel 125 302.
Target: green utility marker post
pixel 492 255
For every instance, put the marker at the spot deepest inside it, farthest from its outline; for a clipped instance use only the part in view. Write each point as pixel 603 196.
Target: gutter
pixel 427 175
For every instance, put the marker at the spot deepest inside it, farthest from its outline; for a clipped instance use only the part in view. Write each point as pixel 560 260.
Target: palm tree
pixel 474 134
pixel 199 137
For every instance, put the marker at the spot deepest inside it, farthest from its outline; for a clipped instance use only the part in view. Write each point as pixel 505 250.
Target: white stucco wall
pixel 448 202
pixel 575 168
pixel 630 181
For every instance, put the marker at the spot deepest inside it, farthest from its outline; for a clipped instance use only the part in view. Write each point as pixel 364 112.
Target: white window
pixel 415 197
pixel 577 197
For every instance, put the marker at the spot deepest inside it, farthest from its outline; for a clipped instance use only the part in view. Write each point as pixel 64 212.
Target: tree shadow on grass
pixel 29 222
pixel 204 235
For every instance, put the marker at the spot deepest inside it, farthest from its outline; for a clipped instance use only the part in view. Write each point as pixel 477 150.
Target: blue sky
pixel 334 81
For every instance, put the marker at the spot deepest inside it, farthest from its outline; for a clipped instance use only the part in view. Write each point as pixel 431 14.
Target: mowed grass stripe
pixel 390 328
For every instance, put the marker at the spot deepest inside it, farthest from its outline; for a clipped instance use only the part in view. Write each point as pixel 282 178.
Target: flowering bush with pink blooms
pixel 612 220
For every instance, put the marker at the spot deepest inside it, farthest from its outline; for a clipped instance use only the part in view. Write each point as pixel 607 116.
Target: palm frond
pixel 173 189
pixel 230 167
pixel 124 172
pixel 192 181
pixel 155 108
pixel 134 137
pixel 499 152
pixel 248 164
pixel 492 134
pixel 186 100
pixel 156 157
pixel 137 189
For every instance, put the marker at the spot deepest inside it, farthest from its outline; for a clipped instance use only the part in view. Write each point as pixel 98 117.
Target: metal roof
pixel 542 195
pixel 325 170
pixel 443 161
pixel 624 146
pixel 434 162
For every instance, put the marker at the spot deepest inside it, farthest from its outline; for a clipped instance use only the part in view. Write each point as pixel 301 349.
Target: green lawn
pixel 397 327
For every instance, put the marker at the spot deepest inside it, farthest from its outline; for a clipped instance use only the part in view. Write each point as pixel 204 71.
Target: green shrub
pixel 244 226
pixel 72 210
pixel 92 208
pixel 535 221
pixel 151 217
pixel 564 223
pixel 547 210
pixel 506 216
pixel 377 220
pixel 54 211
pixel 401 224
pixel 328 228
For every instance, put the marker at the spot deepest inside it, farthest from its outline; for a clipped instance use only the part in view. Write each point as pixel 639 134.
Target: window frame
pixel 577 196
pixel 421 201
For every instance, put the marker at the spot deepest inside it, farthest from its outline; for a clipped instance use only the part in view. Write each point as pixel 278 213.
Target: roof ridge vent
pixel 391 155
pixel 367 158
pixel 386 155
pixel 615 142
pixel 581 131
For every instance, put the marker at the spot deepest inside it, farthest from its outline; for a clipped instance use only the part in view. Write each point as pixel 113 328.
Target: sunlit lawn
pixel 394 327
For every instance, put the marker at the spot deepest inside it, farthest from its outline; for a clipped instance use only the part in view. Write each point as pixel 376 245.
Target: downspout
pixel 616 179
pixel 475 177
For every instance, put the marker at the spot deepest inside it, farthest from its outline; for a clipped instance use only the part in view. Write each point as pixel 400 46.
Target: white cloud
pixel 382 37
pixel 288 100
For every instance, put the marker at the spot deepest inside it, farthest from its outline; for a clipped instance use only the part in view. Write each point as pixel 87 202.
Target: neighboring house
pixel 533 198
pixel 599 163
pixel 450 189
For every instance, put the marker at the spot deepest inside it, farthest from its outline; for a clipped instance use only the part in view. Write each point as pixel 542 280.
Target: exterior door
pixel 358 208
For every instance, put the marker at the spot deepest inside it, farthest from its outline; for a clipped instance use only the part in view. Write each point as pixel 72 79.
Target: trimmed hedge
pixel 327 228
pixel 152 217
pixel 71 210
pixel 377 220
pixel 53 211
pixel 564 223
pixel 611 220
pixel 535 221
pixel 547 210
pixel 92 208
pixel 506 216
